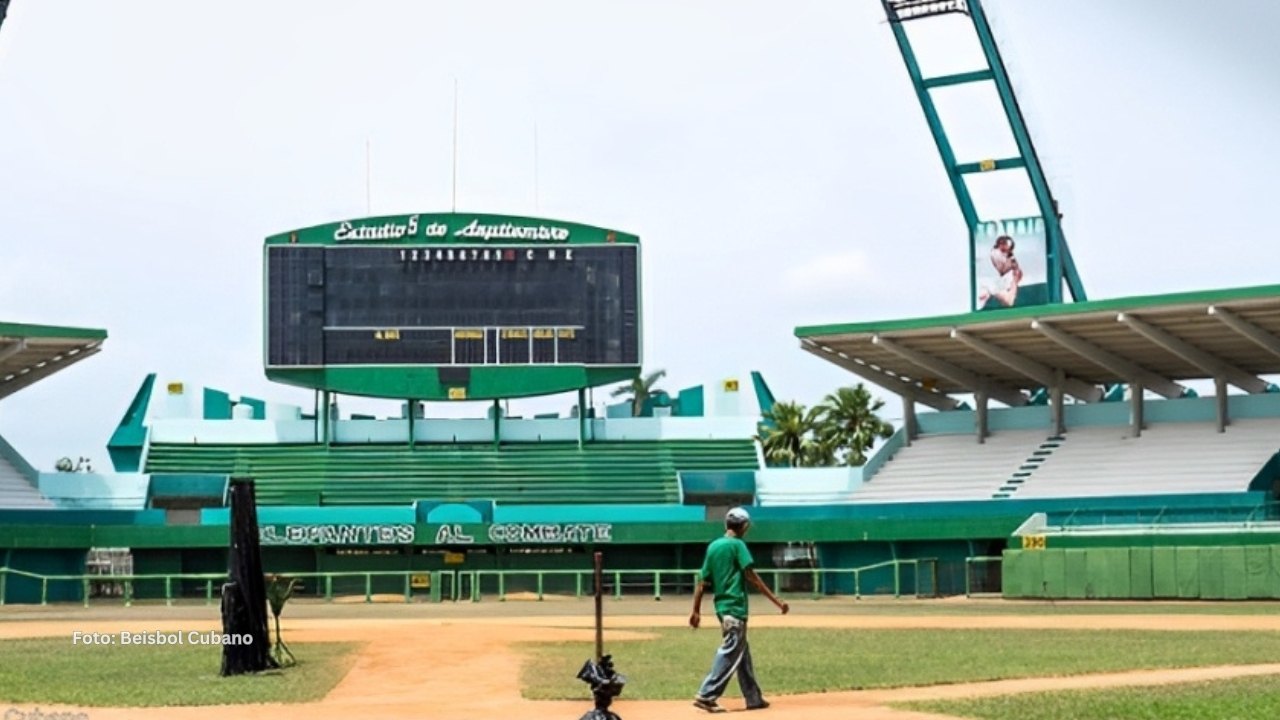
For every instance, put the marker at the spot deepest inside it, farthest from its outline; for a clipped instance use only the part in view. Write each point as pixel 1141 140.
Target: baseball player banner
pixel 1010 268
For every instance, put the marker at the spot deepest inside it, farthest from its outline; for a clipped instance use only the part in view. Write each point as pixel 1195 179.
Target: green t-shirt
pixel 725 566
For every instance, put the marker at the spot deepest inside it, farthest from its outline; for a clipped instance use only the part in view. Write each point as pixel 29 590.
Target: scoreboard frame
pixel 449 233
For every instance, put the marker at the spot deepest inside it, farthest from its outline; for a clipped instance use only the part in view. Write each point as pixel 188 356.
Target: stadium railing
pixel 454 585
pixel 439 579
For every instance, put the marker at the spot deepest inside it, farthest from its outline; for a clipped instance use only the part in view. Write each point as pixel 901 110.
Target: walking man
pixel 727 570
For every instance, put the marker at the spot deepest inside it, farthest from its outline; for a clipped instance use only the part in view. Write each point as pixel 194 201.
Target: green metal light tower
pixel 1060 265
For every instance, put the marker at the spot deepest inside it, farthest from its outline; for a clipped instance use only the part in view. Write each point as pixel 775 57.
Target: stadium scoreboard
pixel 371 300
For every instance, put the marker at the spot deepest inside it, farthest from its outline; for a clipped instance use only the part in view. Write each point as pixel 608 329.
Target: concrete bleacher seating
pixel 950 467
pixel 600 472
pixel 1168 458
pixel 16 491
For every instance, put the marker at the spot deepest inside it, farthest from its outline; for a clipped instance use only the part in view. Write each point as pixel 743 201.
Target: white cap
pixel 737 515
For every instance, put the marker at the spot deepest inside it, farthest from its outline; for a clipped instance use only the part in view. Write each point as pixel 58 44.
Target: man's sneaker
pixel 760 706
pixel 708 705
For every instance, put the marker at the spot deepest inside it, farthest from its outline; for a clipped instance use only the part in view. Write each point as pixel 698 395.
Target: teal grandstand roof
pixel 1154 341
pixel 29 353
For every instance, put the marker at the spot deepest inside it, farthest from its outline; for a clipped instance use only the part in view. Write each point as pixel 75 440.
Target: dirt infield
pixel 469 669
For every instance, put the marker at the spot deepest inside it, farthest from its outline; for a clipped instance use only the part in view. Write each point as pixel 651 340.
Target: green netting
pixel 1055 573
pixel 1077 578
pixel 1212 586
pixel 1164 572
pixel 1140 573
pixel 1188 564
pixel 1233 573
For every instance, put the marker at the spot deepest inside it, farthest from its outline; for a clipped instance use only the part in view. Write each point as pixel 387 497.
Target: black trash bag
pixel 605 686
pixel 244 598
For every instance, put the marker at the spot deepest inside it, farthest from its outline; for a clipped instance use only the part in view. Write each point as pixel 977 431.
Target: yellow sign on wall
pixel 731 385
pixel 457 393
pixel 454 558
pixel 1032 542
pixel 420 581
pixel 175 388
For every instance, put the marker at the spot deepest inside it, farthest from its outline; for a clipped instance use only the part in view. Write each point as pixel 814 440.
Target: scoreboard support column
pixel 412 408
pixel 324 419
pixel 497 423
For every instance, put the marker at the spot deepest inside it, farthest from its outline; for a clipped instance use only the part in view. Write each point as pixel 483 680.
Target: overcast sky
pixel 772 157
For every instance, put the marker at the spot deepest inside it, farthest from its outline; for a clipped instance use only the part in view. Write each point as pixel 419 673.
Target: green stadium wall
pixel 1170 572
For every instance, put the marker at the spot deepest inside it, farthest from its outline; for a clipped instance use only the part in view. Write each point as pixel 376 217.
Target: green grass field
pixel 52 670
pixel 670 666
pixel 1238 699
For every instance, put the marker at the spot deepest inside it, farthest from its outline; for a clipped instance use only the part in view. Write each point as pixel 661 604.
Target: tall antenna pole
pixel 455 145
pixel 368 177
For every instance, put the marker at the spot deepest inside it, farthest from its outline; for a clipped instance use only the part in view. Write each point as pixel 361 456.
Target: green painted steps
pixel 601 472
pixel 1027 470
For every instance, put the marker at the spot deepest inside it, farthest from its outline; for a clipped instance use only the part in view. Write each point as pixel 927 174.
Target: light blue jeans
pixel 734 656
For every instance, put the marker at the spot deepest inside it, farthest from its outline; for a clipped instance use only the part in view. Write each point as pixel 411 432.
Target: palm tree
pixel 851 423
pixel 787 434
pixel 641 389
pixel 822 449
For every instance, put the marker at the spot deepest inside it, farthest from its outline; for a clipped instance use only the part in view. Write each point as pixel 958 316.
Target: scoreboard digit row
pixel 483 254
pixel 361 305
pixel 478 333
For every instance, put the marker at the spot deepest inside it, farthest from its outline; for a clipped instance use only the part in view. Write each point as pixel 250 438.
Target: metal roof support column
pixel 892 383
pixel 1220 397
pixel 13 349
pixel 1056 409
pixel 909 418
pixel 1207 362
pixel 1135 374
pixel 1137 407
pixel 1010 396
pixel 1261 337
pixel 980 398
pixel 1038 372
